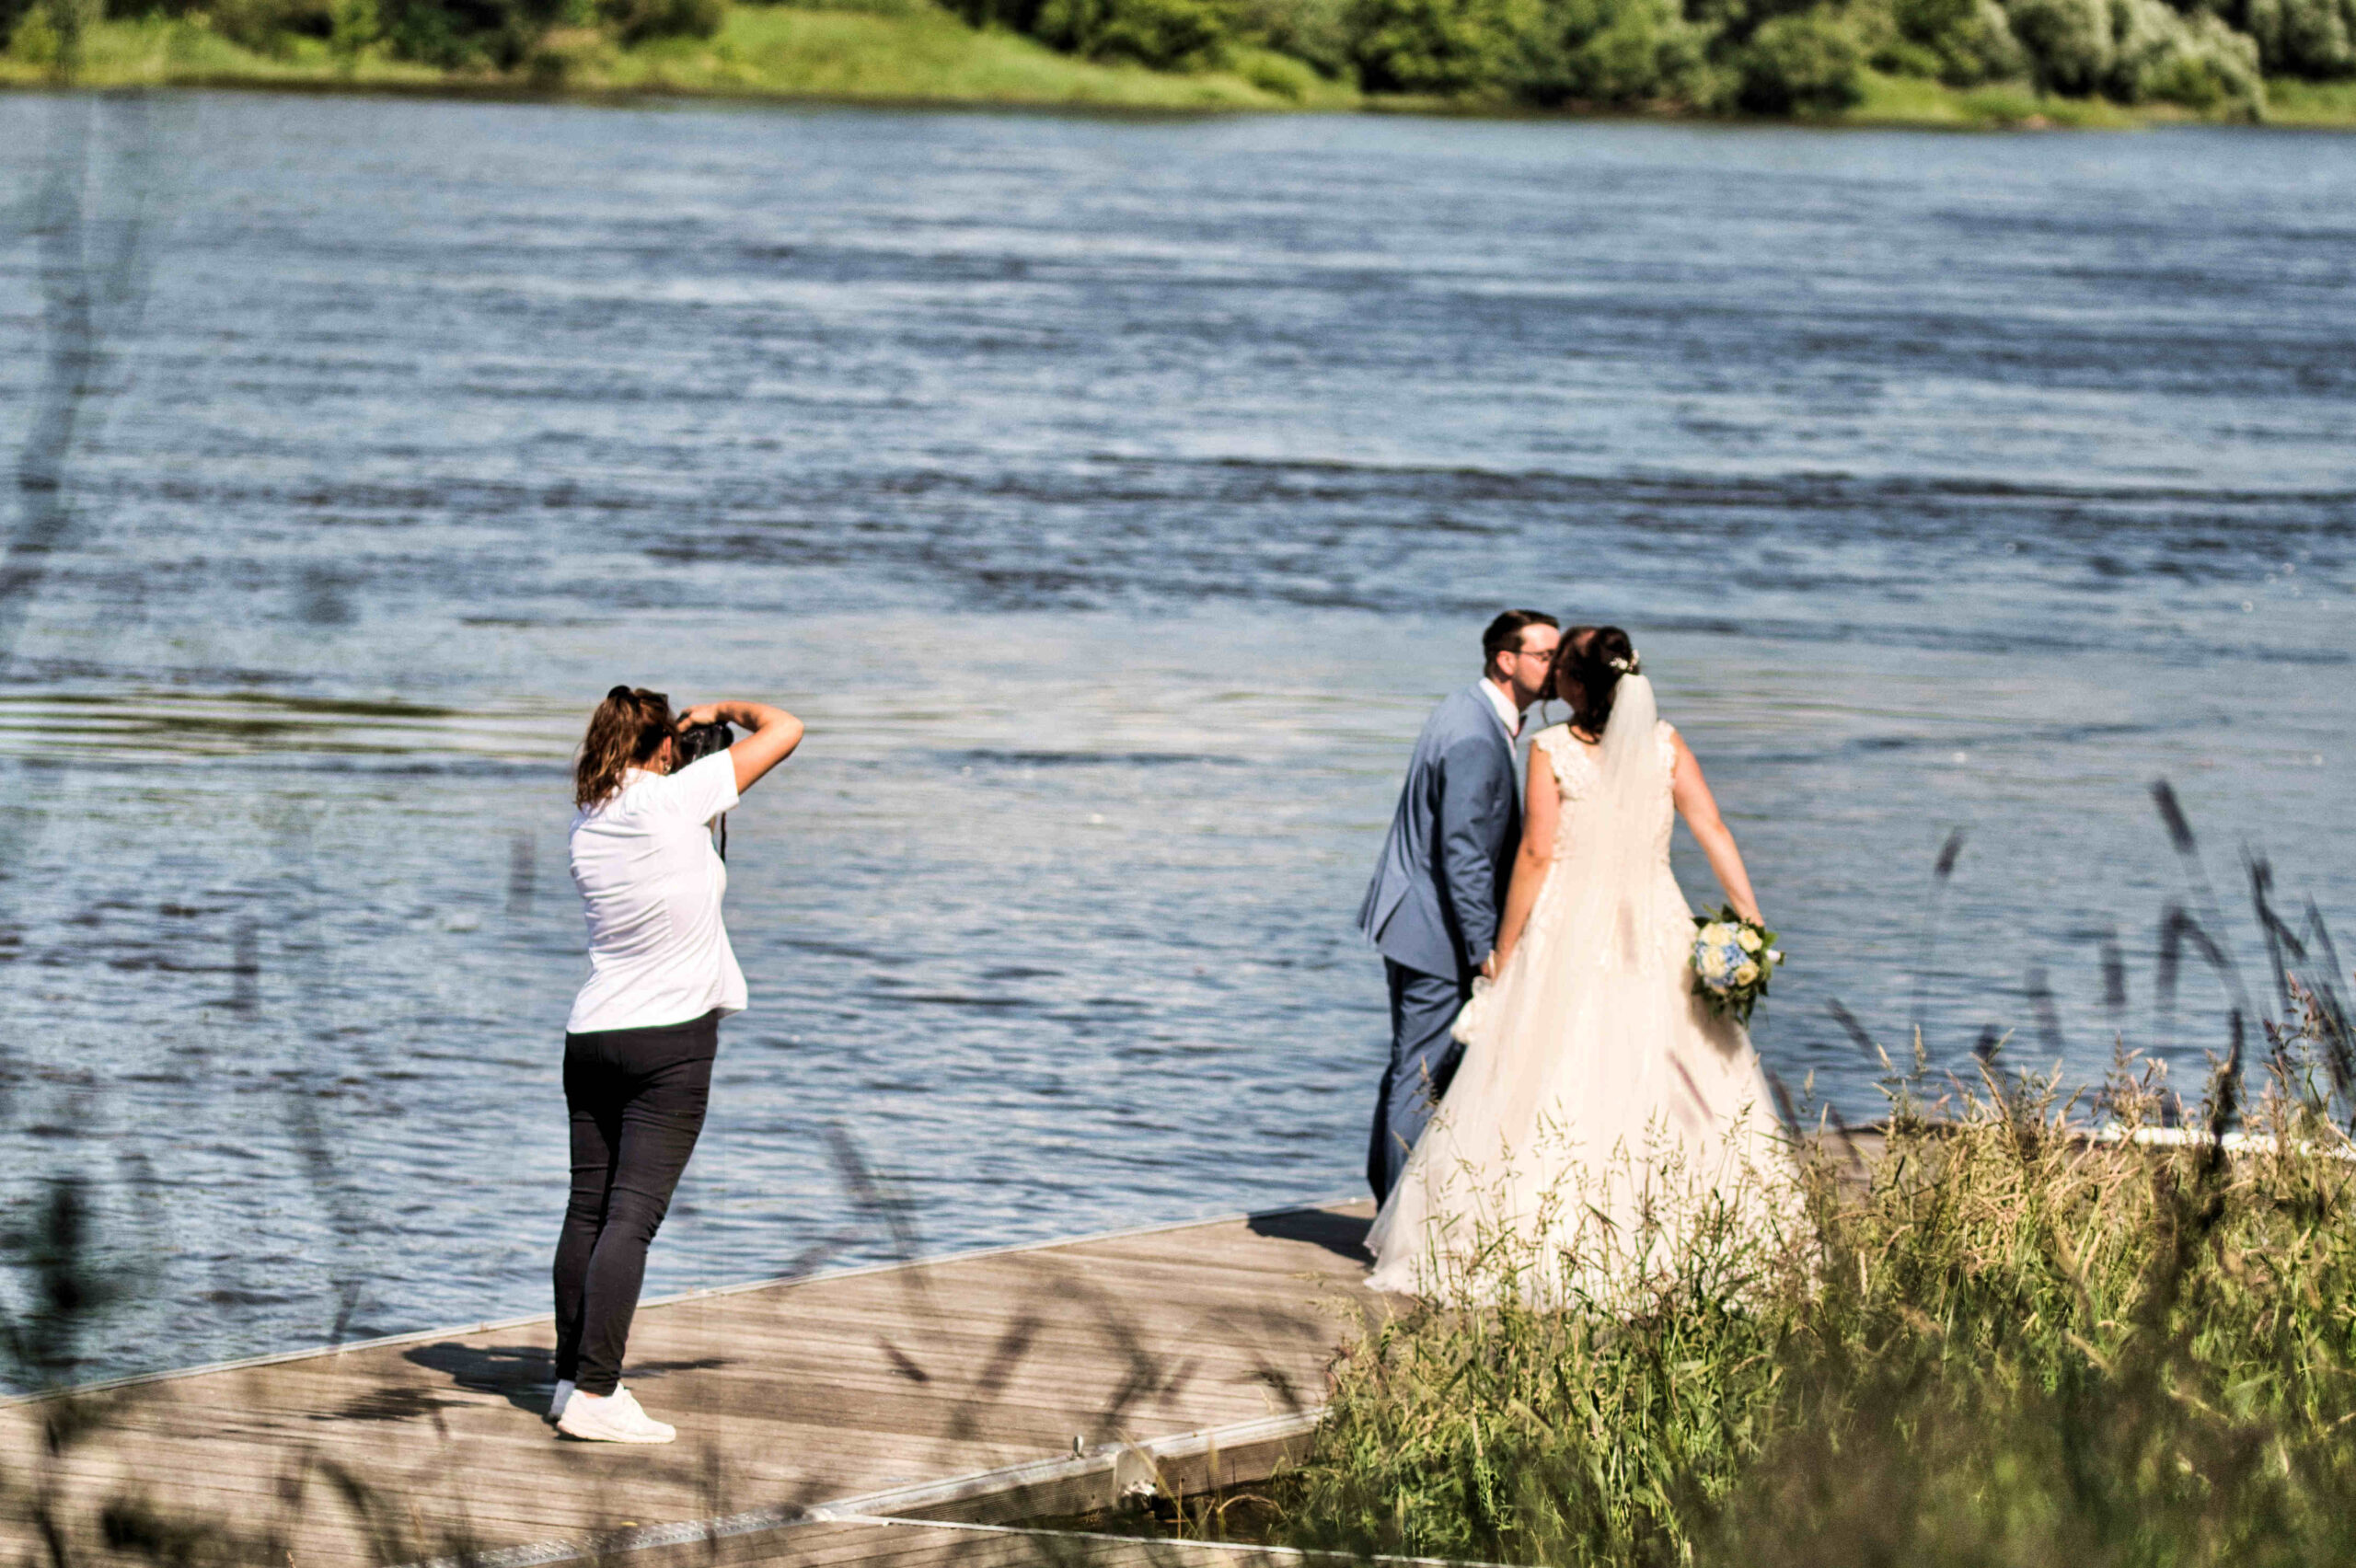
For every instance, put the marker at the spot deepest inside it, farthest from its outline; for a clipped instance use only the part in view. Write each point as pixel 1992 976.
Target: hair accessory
pixel 1631 665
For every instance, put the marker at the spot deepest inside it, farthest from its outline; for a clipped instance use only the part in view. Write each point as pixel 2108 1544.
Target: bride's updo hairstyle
pixel 626 732
pixel 1587 668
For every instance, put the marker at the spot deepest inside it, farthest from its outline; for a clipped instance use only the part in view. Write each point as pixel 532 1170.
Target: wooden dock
pixel 901 1414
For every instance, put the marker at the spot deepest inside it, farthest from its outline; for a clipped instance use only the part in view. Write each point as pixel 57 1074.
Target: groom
pixel 1432 909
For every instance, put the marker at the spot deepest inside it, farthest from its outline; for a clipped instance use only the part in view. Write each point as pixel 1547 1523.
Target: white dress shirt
pixel 1508 714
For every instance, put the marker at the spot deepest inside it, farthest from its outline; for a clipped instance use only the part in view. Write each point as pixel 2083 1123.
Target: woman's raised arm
pixel 1699 809
pixel 775 733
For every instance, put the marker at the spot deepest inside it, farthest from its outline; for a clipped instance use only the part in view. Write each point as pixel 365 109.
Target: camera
pixel 699 740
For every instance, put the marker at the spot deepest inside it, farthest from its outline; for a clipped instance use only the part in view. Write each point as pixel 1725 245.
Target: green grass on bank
pixel 912 52
pixel 2294 102
pixel 921 54
pixel 1911 100
pixel 2016 1347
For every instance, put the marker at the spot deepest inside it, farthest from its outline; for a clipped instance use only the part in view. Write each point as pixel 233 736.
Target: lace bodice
pixel 1575 777
pixel 1669 923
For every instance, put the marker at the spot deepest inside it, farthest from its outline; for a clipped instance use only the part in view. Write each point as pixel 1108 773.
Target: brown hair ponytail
pixel 626 732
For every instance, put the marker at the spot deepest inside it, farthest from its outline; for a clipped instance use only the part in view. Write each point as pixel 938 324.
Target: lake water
pixel 1113 498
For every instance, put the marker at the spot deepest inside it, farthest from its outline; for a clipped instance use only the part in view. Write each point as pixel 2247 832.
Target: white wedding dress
pixel 1600 1119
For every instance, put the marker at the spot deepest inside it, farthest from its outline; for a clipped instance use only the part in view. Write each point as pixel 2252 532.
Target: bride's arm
pixel 1699 809
pixel 1542 804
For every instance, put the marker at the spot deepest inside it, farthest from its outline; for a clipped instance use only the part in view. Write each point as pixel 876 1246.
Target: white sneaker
pixel 613 1419
pixel 556 1401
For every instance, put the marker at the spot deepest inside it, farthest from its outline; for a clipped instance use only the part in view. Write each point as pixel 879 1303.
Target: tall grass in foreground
pixel 2006 1340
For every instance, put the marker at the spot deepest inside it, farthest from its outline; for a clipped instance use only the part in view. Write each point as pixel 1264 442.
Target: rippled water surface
pixel 1114 499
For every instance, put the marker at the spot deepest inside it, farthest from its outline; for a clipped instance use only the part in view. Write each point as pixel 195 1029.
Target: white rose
pixel 1745 975
pixel 1774 955
pixel 1748 939
pixel 1715 933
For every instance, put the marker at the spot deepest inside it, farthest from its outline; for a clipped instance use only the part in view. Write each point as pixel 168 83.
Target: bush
pixel 2135 50
pixel 455 34
pixel 2302 38
pixel 1618 53
pixel 2068 42
pixel 50 32
pixel 269 27
pixel 1168 35
pixel 1279 73
pixel 1314 30
pixel 637 21
pixel 1442 46
pixel 2194 60
pixel 32 36
pixel 1807 64
pixel 1961 42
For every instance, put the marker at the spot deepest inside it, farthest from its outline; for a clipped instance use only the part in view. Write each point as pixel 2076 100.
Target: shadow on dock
pixel 1340 1231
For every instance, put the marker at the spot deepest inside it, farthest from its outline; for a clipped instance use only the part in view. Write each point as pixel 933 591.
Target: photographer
pixel 639 1047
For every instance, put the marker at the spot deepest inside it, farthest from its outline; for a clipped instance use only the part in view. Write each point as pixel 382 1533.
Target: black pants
pixel 637 1097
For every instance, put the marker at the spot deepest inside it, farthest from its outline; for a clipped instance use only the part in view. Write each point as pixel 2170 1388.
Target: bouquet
pixel 1733 960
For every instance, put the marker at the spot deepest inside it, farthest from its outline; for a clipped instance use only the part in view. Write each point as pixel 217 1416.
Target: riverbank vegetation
pixel 2009 1342
pixel 1923 61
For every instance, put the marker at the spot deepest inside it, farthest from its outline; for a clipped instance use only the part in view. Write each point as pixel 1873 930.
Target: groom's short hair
pixel 1503 634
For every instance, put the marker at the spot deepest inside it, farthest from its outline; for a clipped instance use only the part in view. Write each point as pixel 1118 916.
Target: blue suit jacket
pixel 1438 889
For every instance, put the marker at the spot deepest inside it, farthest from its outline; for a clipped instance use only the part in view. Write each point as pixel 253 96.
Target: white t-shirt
pixel 651 884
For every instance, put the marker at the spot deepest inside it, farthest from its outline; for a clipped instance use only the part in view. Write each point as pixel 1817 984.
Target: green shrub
pixel 638 21
pixel 1618 53
pixel 457 34
pixel 1804 64
pixel 1443 46
pixel 2194 60
pixel 1961 42
pixel 51 33
pixel 1314 30
pixel 1168 35
pixel 2302 38
pixel 2135 50
pixel 32 36
pixel 270 27
pixel 2068 42
pixel 1280 73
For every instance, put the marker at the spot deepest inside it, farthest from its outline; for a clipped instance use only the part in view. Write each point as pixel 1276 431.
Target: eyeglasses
pixel 1533 653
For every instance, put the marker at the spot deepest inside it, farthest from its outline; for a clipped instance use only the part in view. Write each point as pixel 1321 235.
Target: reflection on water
pixel 1114 500
pixel 133 726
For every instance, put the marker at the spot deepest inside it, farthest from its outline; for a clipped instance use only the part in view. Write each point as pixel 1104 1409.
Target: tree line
pixel 1754 56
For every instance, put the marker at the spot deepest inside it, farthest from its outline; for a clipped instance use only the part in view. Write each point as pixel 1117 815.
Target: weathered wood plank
pixel 787 1394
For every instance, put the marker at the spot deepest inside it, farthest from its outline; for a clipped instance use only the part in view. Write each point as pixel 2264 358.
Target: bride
pixel 1600 1116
